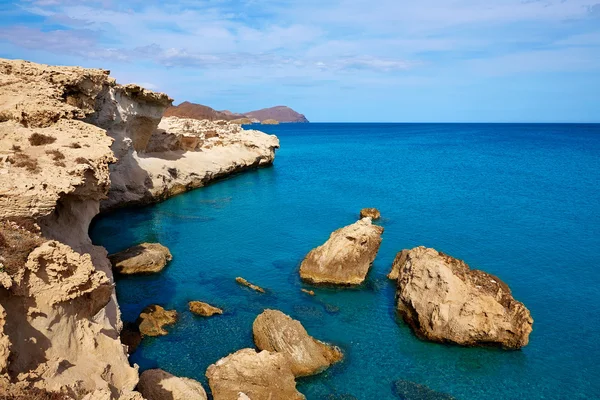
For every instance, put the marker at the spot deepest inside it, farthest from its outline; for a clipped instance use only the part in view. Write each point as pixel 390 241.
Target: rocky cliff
pixel 199 111
pixel 71 138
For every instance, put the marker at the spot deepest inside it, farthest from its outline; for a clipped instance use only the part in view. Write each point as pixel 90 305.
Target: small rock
pixel 156 384
pixel 345 259
pixel 145 258
pixel 372 213
pixel 276 332
pixel 258 376
pixel 310 292
pixel 203 309
pixel 154 318
pixel 244 282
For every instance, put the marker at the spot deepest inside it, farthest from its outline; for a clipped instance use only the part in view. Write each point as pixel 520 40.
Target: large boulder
pixel 145 258
pixel 443 300
pixel 203 309
pixel 372 213
pixel 156 384
pixel 255 375
pixel 276 332
pixel 154 318
pixel 346 257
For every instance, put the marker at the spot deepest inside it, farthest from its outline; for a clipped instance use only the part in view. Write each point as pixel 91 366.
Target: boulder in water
pixel 154 318
pixel 372 213
pixel 145 258
pixel 203 309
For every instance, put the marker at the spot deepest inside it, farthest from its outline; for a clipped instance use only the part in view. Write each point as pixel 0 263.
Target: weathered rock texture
pixel 443 300
pixel 252 286
pixel 372 213
pixel 156 384
pixel 276 332
pixel 203 309
pixel 346 257
pixel 154 318
pixel 397 264
pixel 184 154
pixel 62 321
pixel 145 258
pixel 258 376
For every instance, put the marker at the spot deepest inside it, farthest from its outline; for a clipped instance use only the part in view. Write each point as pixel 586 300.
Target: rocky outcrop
pixel 154 318
pixel 372 213
pixel 145 258
pixel 345 259
pixel 156 384
pixel 443 300
pixel 203 309
pixel 255 375
pixel 252 286
pixel 185 154
pixel 278 113
pixel 276 332
pixel 270 122
pixel 397 264
pixel 199 111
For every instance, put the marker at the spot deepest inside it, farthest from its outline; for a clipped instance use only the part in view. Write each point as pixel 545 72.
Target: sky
pixel 333 60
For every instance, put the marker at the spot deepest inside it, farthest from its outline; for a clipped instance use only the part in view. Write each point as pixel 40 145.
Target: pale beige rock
pixel 443 300
pixel 258 376
pixel 4 343
pixel 154 318
pixel 397 264
pixel 372 213
pixel 252 286
pixel 276 332
pixel 203 309
pixel 144 258
pixel 345 259
pixel 156 384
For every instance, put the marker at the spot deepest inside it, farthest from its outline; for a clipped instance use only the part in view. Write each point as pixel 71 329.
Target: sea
pixel 520 201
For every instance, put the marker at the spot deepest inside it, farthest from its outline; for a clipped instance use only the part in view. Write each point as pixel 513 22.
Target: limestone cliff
pixel 67 135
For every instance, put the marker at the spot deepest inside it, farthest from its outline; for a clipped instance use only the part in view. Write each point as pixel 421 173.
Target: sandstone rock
pixel 154 318
pixel 276 332
pixel 244 282
pixel 156 384
pixel 443 300
pixel 258 376
pixel 145 258
pixel 203 309
pixel 309 292
pixel 270 122
pixel 346 257
pixel 397 264
pixel 372 213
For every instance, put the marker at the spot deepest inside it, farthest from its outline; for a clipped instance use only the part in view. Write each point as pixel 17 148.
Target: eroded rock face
pixel 145 258
pixel 154 318
pixel 203 309
pixel 372 213
pixel 276 332
pixel 346 257
pixel 258 376
pixel 443 300
pixel 397 264
pixel 156 384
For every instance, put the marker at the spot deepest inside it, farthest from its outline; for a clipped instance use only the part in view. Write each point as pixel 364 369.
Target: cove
pixel 519 201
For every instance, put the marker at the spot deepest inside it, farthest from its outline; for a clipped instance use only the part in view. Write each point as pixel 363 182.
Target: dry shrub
pixel 15 148
pixel 75 145
pixel 38 139
pixel 22 160
pixel 82 160
pixel 57 155
pixel 18 239
pixel 31 394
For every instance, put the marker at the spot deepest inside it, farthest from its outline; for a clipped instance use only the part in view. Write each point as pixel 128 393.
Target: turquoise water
pixel 519 201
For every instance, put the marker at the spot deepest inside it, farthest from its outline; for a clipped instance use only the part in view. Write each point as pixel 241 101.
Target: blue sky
pixel 333 60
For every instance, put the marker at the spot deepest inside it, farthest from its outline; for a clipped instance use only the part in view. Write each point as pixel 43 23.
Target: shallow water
pixel 519 201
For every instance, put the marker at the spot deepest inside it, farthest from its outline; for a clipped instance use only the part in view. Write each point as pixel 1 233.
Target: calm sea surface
pixel 519 201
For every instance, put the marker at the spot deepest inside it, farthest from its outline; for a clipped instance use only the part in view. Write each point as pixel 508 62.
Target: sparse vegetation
pixel 15 148
pixel 82 160
pixel 38 139
pixel 75 145
pixel 30 394
pixel 22 160
pixel 57 155
pixel 17 240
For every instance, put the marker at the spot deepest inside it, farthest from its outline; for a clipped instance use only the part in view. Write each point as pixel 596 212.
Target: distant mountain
pixel 279 113
pixel 199 111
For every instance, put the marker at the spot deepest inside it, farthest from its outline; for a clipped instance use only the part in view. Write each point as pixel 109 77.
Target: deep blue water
pixel 519 201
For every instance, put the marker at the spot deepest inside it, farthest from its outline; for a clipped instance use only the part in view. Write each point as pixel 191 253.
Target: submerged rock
pixel 397 264
pixel 145 258
pixel 346 257
pixel 309 292
pixel 274 331
pixel 407 390
pixel 203 309
pixel 255 375
pixel 244 282
pixel 443 300
pixel 156 384
pixel 154 318
pixel 372 213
